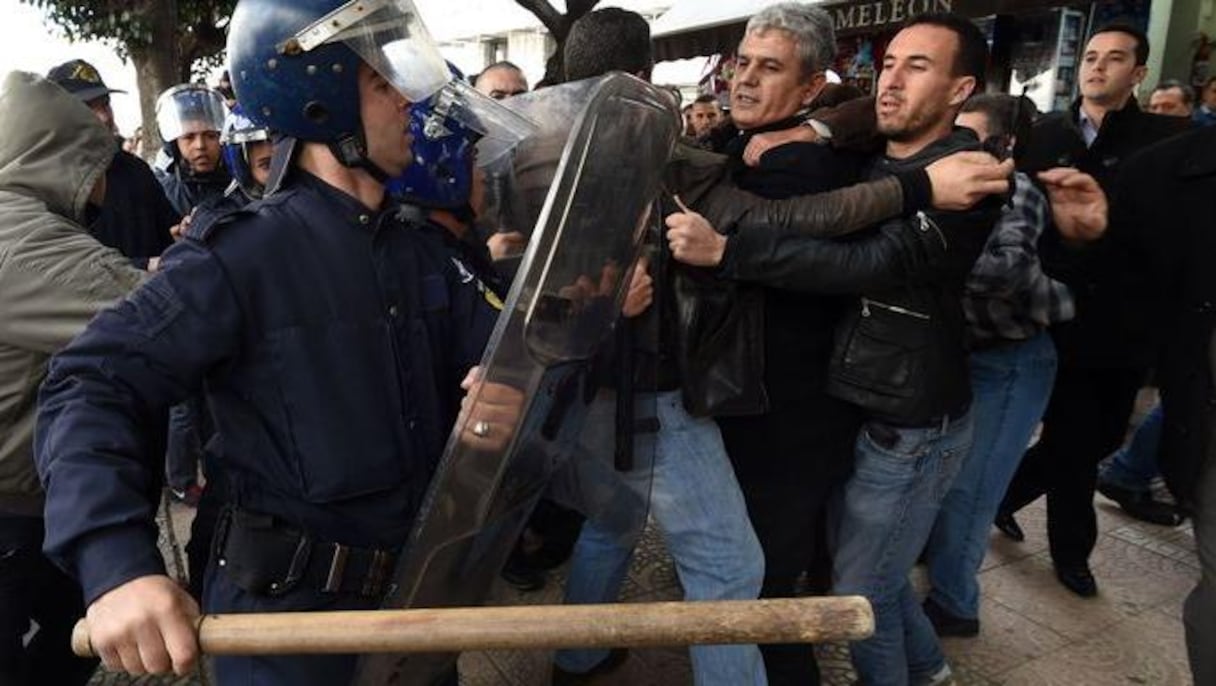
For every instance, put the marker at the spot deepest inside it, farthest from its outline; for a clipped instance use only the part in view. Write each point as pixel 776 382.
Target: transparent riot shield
pixel 555 330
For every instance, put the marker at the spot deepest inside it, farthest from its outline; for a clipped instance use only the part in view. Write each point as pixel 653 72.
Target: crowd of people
pixel 931 307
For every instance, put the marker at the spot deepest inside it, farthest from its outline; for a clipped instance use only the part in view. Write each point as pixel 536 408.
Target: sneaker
pixel 942 677
pixel 946 624
pixel 188 496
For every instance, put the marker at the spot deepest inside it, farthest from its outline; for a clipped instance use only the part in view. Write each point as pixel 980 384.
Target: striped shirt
pixel 1008 297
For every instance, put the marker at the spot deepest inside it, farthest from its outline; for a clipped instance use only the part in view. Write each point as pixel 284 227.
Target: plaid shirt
pixel 1008 297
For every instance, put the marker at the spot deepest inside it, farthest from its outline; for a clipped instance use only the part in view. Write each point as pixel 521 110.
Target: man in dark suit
pixel 1105 352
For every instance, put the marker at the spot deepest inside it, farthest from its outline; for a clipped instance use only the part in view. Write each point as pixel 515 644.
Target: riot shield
pixel 557 320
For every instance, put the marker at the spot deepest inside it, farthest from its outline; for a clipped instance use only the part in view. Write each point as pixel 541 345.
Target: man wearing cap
pixel 137 217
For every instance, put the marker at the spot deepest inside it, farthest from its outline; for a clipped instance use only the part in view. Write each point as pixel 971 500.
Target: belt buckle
pixel 337 568
pixel 377 574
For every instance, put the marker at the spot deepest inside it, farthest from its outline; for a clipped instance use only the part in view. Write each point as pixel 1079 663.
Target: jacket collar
pixel 957 140
pixel 1130 109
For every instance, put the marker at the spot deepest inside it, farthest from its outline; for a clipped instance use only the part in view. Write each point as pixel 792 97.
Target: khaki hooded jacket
pixel 53 276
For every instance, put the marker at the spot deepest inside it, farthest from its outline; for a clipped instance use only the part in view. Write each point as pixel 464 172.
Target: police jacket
pixel 136 216
pixel 899 350
pixel 185 189
pixel 1107 278
pixel 53 276
pixel 331 341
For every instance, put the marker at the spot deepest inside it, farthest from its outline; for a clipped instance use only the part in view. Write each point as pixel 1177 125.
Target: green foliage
pixel 129 25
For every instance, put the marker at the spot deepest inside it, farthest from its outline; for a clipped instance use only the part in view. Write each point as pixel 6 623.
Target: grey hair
pixel 810 26
pixel 1188 93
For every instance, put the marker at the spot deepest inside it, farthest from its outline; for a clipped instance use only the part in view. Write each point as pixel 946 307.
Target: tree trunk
pixel 157 66
pixel 559 27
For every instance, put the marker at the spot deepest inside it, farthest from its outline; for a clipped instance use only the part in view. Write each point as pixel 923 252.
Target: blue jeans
pixel 889 506
pixel 696 503
pixel 1010 387
pixel 1134 466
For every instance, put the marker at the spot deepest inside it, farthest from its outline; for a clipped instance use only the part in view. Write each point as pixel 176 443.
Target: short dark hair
pixel 1188 93
pixel 1132 30
pixel 705 98
pixel 972 56
pixel 1007 115
pixel 609 39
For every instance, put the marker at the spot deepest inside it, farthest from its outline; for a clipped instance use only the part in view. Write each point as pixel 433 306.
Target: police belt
pixel 264 556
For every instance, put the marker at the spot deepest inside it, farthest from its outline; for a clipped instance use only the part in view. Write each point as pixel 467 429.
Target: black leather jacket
pixel 899 353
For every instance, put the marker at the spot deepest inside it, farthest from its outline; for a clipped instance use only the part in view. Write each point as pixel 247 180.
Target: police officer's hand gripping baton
pixel 530 627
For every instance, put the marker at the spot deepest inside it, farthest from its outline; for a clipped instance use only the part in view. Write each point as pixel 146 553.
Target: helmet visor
pixel 189 109
pixel 390 36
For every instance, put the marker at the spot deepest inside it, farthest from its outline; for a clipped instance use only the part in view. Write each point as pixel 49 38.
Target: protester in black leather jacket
pixel 899 352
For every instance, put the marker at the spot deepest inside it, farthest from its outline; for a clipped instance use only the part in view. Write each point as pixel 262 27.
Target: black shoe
pixel 946 624
pixel 1079 580
pixel 1009 526
pixel 616 658
pixel 523 577
pixel 1141 505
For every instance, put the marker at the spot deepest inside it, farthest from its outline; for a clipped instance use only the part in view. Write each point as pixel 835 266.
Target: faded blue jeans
pixel 888 509
pixel 696 503
pixel 1010 386
pixel 1134 466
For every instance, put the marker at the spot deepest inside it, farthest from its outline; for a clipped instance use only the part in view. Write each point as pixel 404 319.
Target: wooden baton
pixel 530 627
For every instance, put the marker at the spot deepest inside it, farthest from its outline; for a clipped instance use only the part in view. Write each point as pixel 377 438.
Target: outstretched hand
pixel 1078 204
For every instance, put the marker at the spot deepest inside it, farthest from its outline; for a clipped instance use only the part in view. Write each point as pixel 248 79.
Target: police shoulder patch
pixel 206 223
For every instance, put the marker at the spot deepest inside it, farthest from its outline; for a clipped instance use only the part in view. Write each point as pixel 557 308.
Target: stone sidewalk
pixel 1033 633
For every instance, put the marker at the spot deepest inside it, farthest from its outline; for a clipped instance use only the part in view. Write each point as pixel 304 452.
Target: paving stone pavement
pixel 1033 631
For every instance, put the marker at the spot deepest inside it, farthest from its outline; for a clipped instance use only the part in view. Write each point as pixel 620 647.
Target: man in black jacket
pixel 1104 353
pixel 898 359
pixel 1181 174
pixel 899 355
pixel 136 217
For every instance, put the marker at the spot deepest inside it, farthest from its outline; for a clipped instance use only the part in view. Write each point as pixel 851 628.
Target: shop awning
pixel 693 28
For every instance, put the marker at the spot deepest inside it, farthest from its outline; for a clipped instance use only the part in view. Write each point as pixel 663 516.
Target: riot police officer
pixel 188 167
pixel 331 338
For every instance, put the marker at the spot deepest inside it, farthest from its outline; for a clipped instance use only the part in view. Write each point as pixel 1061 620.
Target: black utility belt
pixel 264 556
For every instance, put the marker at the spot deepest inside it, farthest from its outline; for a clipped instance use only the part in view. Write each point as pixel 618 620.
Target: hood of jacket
pixel 53 148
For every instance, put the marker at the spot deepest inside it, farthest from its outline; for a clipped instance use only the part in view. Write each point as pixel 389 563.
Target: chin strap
pixel 352 152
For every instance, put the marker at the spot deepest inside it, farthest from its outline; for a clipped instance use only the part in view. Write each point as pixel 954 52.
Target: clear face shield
pixel 189 109
pixel 391 37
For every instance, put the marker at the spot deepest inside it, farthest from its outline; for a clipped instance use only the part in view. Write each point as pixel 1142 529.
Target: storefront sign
pixel 877 15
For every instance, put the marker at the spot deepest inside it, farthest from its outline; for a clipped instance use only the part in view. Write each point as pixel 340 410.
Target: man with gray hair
pixel 1172 98
pixel 807 455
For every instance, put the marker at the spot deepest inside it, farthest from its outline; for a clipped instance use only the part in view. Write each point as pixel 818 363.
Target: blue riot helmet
pixel 294 66
pixel 240 132
pixel 441 175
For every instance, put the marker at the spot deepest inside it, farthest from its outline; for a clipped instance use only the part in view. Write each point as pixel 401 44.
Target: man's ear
pixel 963 88
pixel 1139 73
pixel 814 86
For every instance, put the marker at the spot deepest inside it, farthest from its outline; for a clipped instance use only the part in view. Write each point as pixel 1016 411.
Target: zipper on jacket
pixel 866 303
pixel 926 224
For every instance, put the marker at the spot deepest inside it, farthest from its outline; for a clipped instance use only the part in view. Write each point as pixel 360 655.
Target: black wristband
pixel 918 190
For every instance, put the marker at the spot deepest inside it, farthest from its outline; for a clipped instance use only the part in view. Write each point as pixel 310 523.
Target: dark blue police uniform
pixel 332 341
